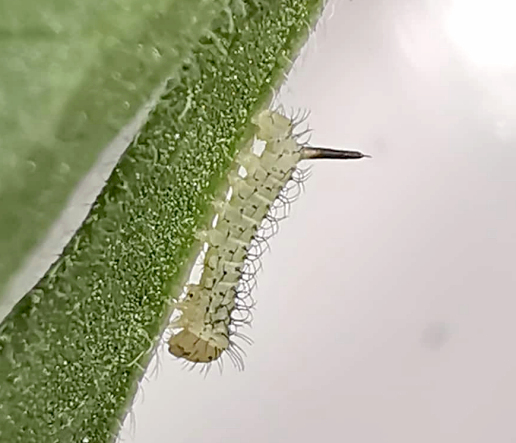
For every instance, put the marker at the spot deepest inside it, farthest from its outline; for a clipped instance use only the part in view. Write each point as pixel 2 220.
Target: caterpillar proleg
pixel 212 310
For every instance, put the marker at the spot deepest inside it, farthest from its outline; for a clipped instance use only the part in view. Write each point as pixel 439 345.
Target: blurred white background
pixel 386 306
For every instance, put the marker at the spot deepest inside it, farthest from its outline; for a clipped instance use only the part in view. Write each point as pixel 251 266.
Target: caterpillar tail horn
pixel 312 153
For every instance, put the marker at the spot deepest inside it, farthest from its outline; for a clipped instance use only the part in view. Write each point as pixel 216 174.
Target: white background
pixel 386 308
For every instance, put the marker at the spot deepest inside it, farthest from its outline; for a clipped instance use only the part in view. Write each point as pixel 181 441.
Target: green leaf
pixel 73 350
pixel 72 74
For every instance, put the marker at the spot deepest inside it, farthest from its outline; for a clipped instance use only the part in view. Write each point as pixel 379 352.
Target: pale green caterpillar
pixel 213 309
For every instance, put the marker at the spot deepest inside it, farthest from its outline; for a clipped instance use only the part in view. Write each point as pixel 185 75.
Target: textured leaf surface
pixel 72 73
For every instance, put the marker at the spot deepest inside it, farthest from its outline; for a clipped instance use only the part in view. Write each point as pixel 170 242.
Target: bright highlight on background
pixel 485 31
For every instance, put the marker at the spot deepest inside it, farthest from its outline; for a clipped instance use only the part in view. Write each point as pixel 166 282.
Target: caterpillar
pixel 212 310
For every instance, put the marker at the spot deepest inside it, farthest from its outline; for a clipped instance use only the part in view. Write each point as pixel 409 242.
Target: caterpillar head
pixel 189 346
pixel 272 126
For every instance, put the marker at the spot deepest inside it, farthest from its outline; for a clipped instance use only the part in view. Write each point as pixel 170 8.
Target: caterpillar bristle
pixel 262 188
